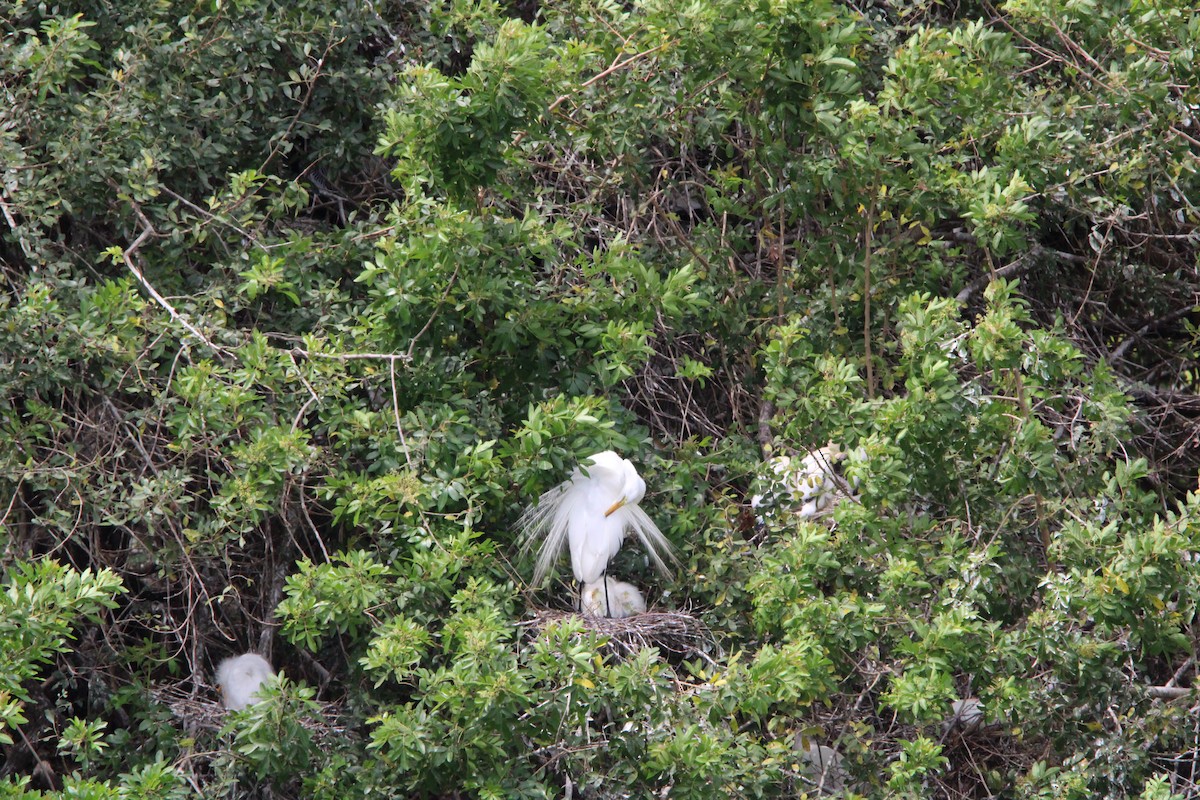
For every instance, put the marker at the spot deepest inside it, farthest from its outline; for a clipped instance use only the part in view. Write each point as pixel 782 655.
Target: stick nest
pixel 202 714
pixel 675 633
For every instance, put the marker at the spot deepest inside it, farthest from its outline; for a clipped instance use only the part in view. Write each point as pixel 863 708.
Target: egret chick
pixel 240 678
pixel 618 598
pixel 591 513
pixel 824 766
pixel 965 716
pixel 810 485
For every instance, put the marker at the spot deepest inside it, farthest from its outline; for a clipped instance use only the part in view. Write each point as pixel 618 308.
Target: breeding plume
pixel 612 598
pixel 592 513
pixel 240 677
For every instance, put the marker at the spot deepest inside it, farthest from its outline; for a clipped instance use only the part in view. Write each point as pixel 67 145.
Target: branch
pixel 1120 350
pixel 766 410
pixel 1018 267
pixel 868 234
pixel 616 65
pixel 396 414
pixel 312 83
pixel 127 255
pixel 302 353
pixel 213 217
pixel 1183 135
pixel 12 223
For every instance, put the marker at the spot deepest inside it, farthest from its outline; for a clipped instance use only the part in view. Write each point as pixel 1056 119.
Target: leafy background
pixel 305 301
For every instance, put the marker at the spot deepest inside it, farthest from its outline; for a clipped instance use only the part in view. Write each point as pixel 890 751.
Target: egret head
pixel 618 477
pixel 240 677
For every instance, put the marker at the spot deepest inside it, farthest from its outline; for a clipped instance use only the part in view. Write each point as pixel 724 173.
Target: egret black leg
pixel 579 596
pixel 607 607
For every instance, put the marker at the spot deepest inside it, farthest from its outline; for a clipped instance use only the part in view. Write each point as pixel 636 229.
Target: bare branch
pixel 127 255
pixel 302 353
pixel 1018 267
pixel 12 223
pixel 616 65
pixel 1120 350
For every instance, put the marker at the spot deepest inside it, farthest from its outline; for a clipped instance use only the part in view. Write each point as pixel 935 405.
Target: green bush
pixel 307 303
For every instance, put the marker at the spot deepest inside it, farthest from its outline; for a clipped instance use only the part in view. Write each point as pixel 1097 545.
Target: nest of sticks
pixel 675 633
pixel 197 714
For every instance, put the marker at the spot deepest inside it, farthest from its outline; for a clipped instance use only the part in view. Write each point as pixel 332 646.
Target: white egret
pixel 810 485
pixel 965 716
pixel 591 513
pixel 240 678
pixel 613 598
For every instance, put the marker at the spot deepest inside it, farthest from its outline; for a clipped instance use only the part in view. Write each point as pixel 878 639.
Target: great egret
pixel 240 678
pixel 612 598
pixel 811 483
pixel 592 512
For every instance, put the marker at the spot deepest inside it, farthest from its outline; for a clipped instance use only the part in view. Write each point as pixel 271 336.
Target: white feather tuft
pixel 546 521
pixel 240 678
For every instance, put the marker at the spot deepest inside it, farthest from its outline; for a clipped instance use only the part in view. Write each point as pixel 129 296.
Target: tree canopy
pixel 307 301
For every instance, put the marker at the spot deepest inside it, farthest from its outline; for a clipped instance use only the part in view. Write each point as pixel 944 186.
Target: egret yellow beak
pixel 614 507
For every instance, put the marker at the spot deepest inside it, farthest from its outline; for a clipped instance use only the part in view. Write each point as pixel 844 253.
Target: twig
pixel 213 217
pixel 312 526
pixel 312 392
pixel 867 243
pixel 127 255
pixel 131 434
pixel 616 65
pixel 412 346
pixel 303 410
pixel 12 223
pixel 312 83
pixel 1120 350
pixel 13 500
pixel 396 413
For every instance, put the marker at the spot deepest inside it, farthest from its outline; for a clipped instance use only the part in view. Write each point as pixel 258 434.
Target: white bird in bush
pixel 824 766
pixel 240 678
pixel 591 513
pixel 612 598
pixel 810 484
pixel 965 716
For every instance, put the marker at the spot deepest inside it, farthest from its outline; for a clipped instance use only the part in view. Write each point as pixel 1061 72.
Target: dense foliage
pixel 306 301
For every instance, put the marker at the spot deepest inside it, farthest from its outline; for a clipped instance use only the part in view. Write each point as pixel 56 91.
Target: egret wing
pixel 545 522
pixel 652 539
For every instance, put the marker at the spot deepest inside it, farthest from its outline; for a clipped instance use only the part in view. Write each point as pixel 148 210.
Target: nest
pixel 197 714
pixel 676 633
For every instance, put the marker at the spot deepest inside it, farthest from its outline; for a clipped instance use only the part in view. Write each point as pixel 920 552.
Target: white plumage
pixel 621 600
pixel 965 715
pixel 240 678
pixel 591 513
pixel 824 766
pixel 809 485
